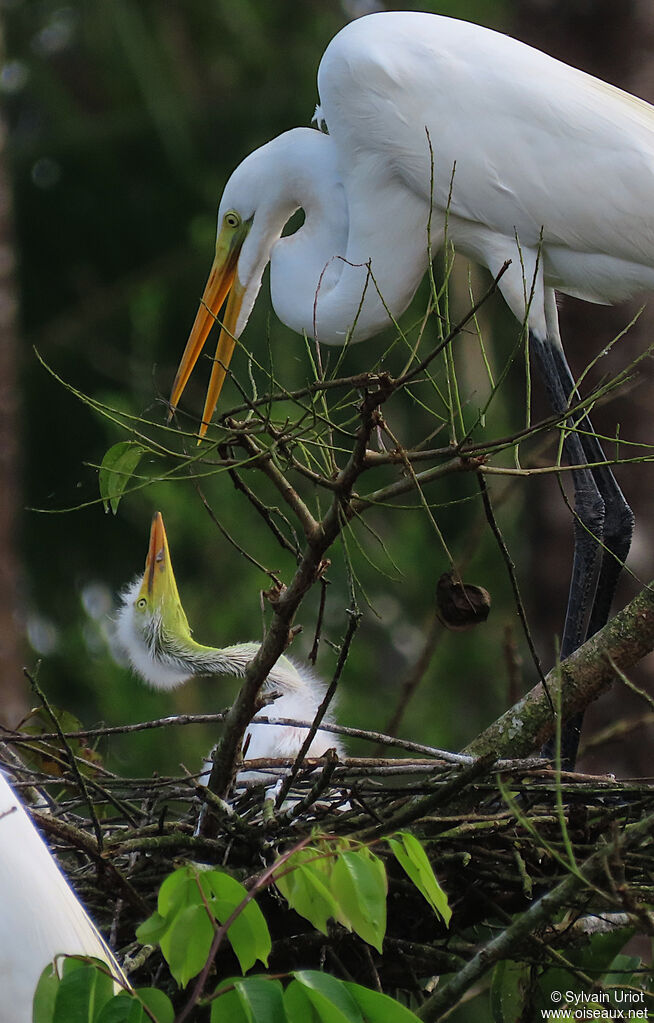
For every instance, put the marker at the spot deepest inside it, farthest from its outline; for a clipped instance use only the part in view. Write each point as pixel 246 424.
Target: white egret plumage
pixel 153 629
pixel 40 915
pixel 437 121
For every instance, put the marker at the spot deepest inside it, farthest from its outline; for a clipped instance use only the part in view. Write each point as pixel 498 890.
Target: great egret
pixel 519 156
pixel 40 915
pixel 153 629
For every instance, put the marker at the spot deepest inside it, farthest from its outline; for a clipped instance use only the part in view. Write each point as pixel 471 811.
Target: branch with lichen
pixel 574 683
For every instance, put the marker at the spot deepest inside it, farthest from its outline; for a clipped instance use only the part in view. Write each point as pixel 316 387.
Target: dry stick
pixel 313 653
pixel 72 760
pixel 81 840
pixel 230 538
pixel 435 633
pixel 510 567
pixel 15 738
pixel 140 726
pixel 266 514
pixel 353 624
pixel 320 537
pixel 419 806
pixel 534 918
pixel 263 460
pixel 320 786
pixel 578 680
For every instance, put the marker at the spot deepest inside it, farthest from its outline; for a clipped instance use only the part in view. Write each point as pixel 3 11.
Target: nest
pixel 498 837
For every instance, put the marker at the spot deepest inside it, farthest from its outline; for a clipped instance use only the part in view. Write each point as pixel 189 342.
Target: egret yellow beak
pixel 159 586
pixel 223 283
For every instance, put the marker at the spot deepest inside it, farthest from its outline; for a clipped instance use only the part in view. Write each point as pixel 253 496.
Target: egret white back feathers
pixel 533 161
pixel 153 629
pixel 40 915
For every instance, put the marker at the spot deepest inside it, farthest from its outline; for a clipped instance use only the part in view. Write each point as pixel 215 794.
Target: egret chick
pixel 153 629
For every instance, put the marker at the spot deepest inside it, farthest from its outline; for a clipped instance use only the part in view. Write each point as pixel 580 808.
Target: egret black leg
pixel 618 531
pixel 589 528
pixel 618 516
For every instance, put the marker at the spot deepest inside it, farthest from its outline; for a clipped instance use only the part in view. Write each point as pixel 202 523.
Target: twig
pixel 513 578
pixel 230 538
pixel 352 626
pixel 530 921
pixel 78 839
pixel 70 756
pixel 313 653
pixel 624 641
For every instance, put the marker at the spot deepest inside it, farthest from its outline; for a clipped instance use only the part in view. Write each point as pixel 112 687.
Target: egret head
pixel 261 195
pixel 151 624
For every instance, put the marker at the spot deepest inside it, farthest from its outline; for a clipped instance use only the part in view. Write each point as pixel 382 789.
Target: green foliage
pixel 75 993
pixel 413 859
pixel 116 471
pixel 314 997
pixel 335 879
pixel 239 1000
pixel 83 992
pixel 339 881
pixel 131 1008
pixel 192 903
pixel 523 990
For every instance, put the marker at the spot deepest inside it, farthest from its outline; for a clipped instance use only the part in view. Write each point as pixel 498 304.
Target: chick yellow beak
pixel 223 283
pixel 159 586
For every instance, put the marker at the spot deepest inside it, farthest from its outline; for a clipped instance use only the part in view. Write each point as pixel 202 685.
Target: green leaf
pixel 152 930
pixel 359 884
pixel 157 1002
pixel 625 971
pixel 297 1006
pixel 186 944
pixel 379 1008
pixel 252 1000
pixel 128 1008
pixel 43 1004
pixel 116 471
pixel 413 859
pixel 306 890
pixel 178 891
pixel 228 1008
pixel 248 934
pixel 188 900
pixel 510 984
pixel 83 991
pixel 318 996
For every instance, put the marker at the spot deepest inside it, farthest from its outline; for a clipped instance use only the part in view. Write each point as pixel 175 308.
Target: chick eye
pixel 232 219
pixel 141 603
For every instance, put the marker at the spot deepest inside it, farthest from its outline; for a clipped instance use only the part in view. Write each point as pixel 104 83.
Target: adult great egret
pixel 153 629
pixel 40 915
pixel 521 157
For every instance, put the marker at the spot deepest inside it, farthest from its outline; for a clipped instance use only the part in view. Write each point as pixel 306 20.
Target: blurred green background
pixel 125 120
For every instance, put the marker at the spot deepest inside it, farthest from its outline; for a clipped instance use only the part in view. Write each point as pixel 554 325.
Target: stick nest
pixel 496 837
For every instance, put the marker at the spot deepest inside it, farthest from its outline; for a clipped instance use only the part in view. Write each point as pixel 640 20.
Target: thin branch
pixel 353 624
pixel 513 578
pixel 72 760
pixel 575 682
pixel 532 920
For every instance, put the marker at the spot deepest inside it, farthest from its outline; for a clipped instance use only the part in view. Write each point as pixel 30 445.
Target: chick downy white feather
pixel 152 629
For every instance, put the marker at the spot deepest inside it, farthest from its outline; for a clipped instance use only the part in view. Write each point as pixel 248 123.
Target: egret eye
pixel 232 219
pixel 141 603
